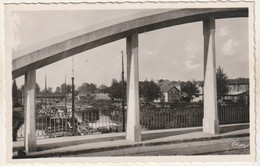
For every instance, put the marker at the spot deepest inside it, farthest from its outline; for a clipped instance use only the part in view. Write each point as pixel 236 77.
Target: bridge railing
pixel 56 123
pixel 230 114
pixel 176 117
pixel 190 116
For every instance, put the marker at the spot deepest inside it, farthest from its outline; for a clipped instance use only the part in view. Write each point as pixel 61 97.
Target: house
pixel 199 96
pixel 238 90
pixel 171 91
pixel 102 96
pixel 238 85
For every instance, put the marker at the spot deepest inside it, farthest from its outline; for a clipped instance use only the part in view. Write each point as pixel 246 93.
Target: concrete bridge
pixel 54 50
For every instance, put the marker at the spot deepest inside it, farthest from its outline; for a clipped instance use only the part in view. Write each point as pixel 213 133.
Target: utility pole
pixel 123 98
pixel 73 107
pixel 45 92
pixel 65 94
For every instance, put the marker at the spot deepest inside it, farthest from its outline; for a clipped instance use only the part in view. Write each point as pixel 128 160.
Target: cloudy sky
pixel 174 53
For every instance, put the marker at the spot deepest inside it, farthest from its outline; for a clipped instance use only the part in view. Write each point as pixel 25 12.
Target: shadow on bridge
pixel 226 129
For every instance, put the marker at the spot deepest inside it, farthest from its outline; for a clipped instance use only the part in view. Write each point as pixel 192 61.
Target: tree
pixel 48 90
pixel 15 93
pixel 58 90
pixel 63 88
pixel 161 81
pixel 37 88
pixel 103 88
pixel 86 87
pixel 190 88
pixel 115 90
pixel 149 91
pixel 222 87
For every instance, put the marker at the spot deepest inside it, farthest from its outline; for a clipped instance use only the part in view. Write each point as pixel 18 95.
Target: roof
pixel 238 81
pixel 167 87
pixel 235 93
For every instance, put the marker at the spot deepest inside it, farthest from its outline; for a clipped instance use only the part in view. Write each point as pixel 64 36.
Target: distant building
pixel 199 96
pixel 102 96
pixel 238 85
pixel 171 91
pixel 94 96
pixel 238 90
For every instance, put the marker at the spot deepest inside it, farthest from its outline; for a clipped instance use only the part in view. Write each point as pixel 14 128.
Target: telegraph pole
pixel 45 92
pixel 65 94
pixel 73 107
pixel 123 98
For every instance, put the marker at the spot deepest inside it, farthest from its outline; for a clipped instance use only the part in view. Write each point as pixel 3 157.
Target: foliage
pixel 66 88
pixel 37 88
pixel 14 90
pixel 48 90
pixel 86 87
pixel 18 120
pixel 222 87
pixel 58 89
pixel 149 91
pixel 103 89
pixel 115 90
pixel 190 88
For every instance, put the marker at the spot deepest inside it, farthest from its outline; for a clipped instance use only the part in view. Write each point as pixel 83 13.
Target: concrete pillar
pixel 210 120
pixel 133 130
pixel 29 112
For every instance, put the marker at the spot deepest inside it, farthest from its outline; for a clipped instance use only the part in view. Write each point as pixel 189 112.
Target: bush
pixel 18 120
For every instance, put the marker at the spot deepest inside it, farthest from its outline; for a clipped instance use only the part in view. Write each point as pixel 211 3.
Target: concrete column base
pixel 135 136
pixel 31 145
pixel 210 126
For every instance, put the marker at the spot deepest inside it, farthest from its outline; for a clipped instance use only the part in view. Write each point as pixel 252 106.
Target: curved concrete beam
pixel 78 42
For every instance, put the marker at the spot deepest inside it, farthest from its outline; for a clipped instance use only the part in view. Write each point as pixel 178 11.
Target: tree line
pixel 149 90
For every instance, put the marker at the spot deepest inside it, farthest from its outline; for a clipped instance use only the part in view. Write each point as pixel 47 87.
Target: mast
pixel 73 107
pixel 65 94
pixel 123 99
pixel 45 92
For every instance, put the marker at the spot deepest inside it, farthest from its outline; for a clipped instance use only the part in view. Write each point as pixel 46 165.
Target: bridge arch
pixel 70 44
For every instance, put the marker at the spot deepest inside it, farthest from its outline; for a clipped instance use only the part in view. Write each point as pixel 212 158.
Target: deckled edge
pixel 255 41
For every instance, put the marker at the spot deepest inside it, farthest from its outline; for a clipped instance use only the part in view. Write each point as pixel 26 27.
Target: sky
pixel 174 53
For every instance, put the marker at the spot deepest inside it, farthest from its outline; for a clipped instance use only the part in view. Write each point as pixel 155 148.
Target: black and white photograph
pixel 168 81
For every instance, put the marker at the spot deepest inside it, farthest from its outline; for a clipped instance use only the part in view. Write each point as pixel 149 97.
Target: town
pixel 102 109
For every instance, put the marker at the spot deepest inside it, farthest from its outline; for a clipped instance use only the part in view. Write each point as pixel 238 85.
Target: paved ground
pixel 213 147
pixel 154 142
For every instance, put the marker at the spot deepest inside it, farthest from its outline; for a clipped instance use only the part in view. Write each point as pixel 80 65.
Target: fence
pixel 190 116
pixel 230 114
pixel 175 117
pixel 58 122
